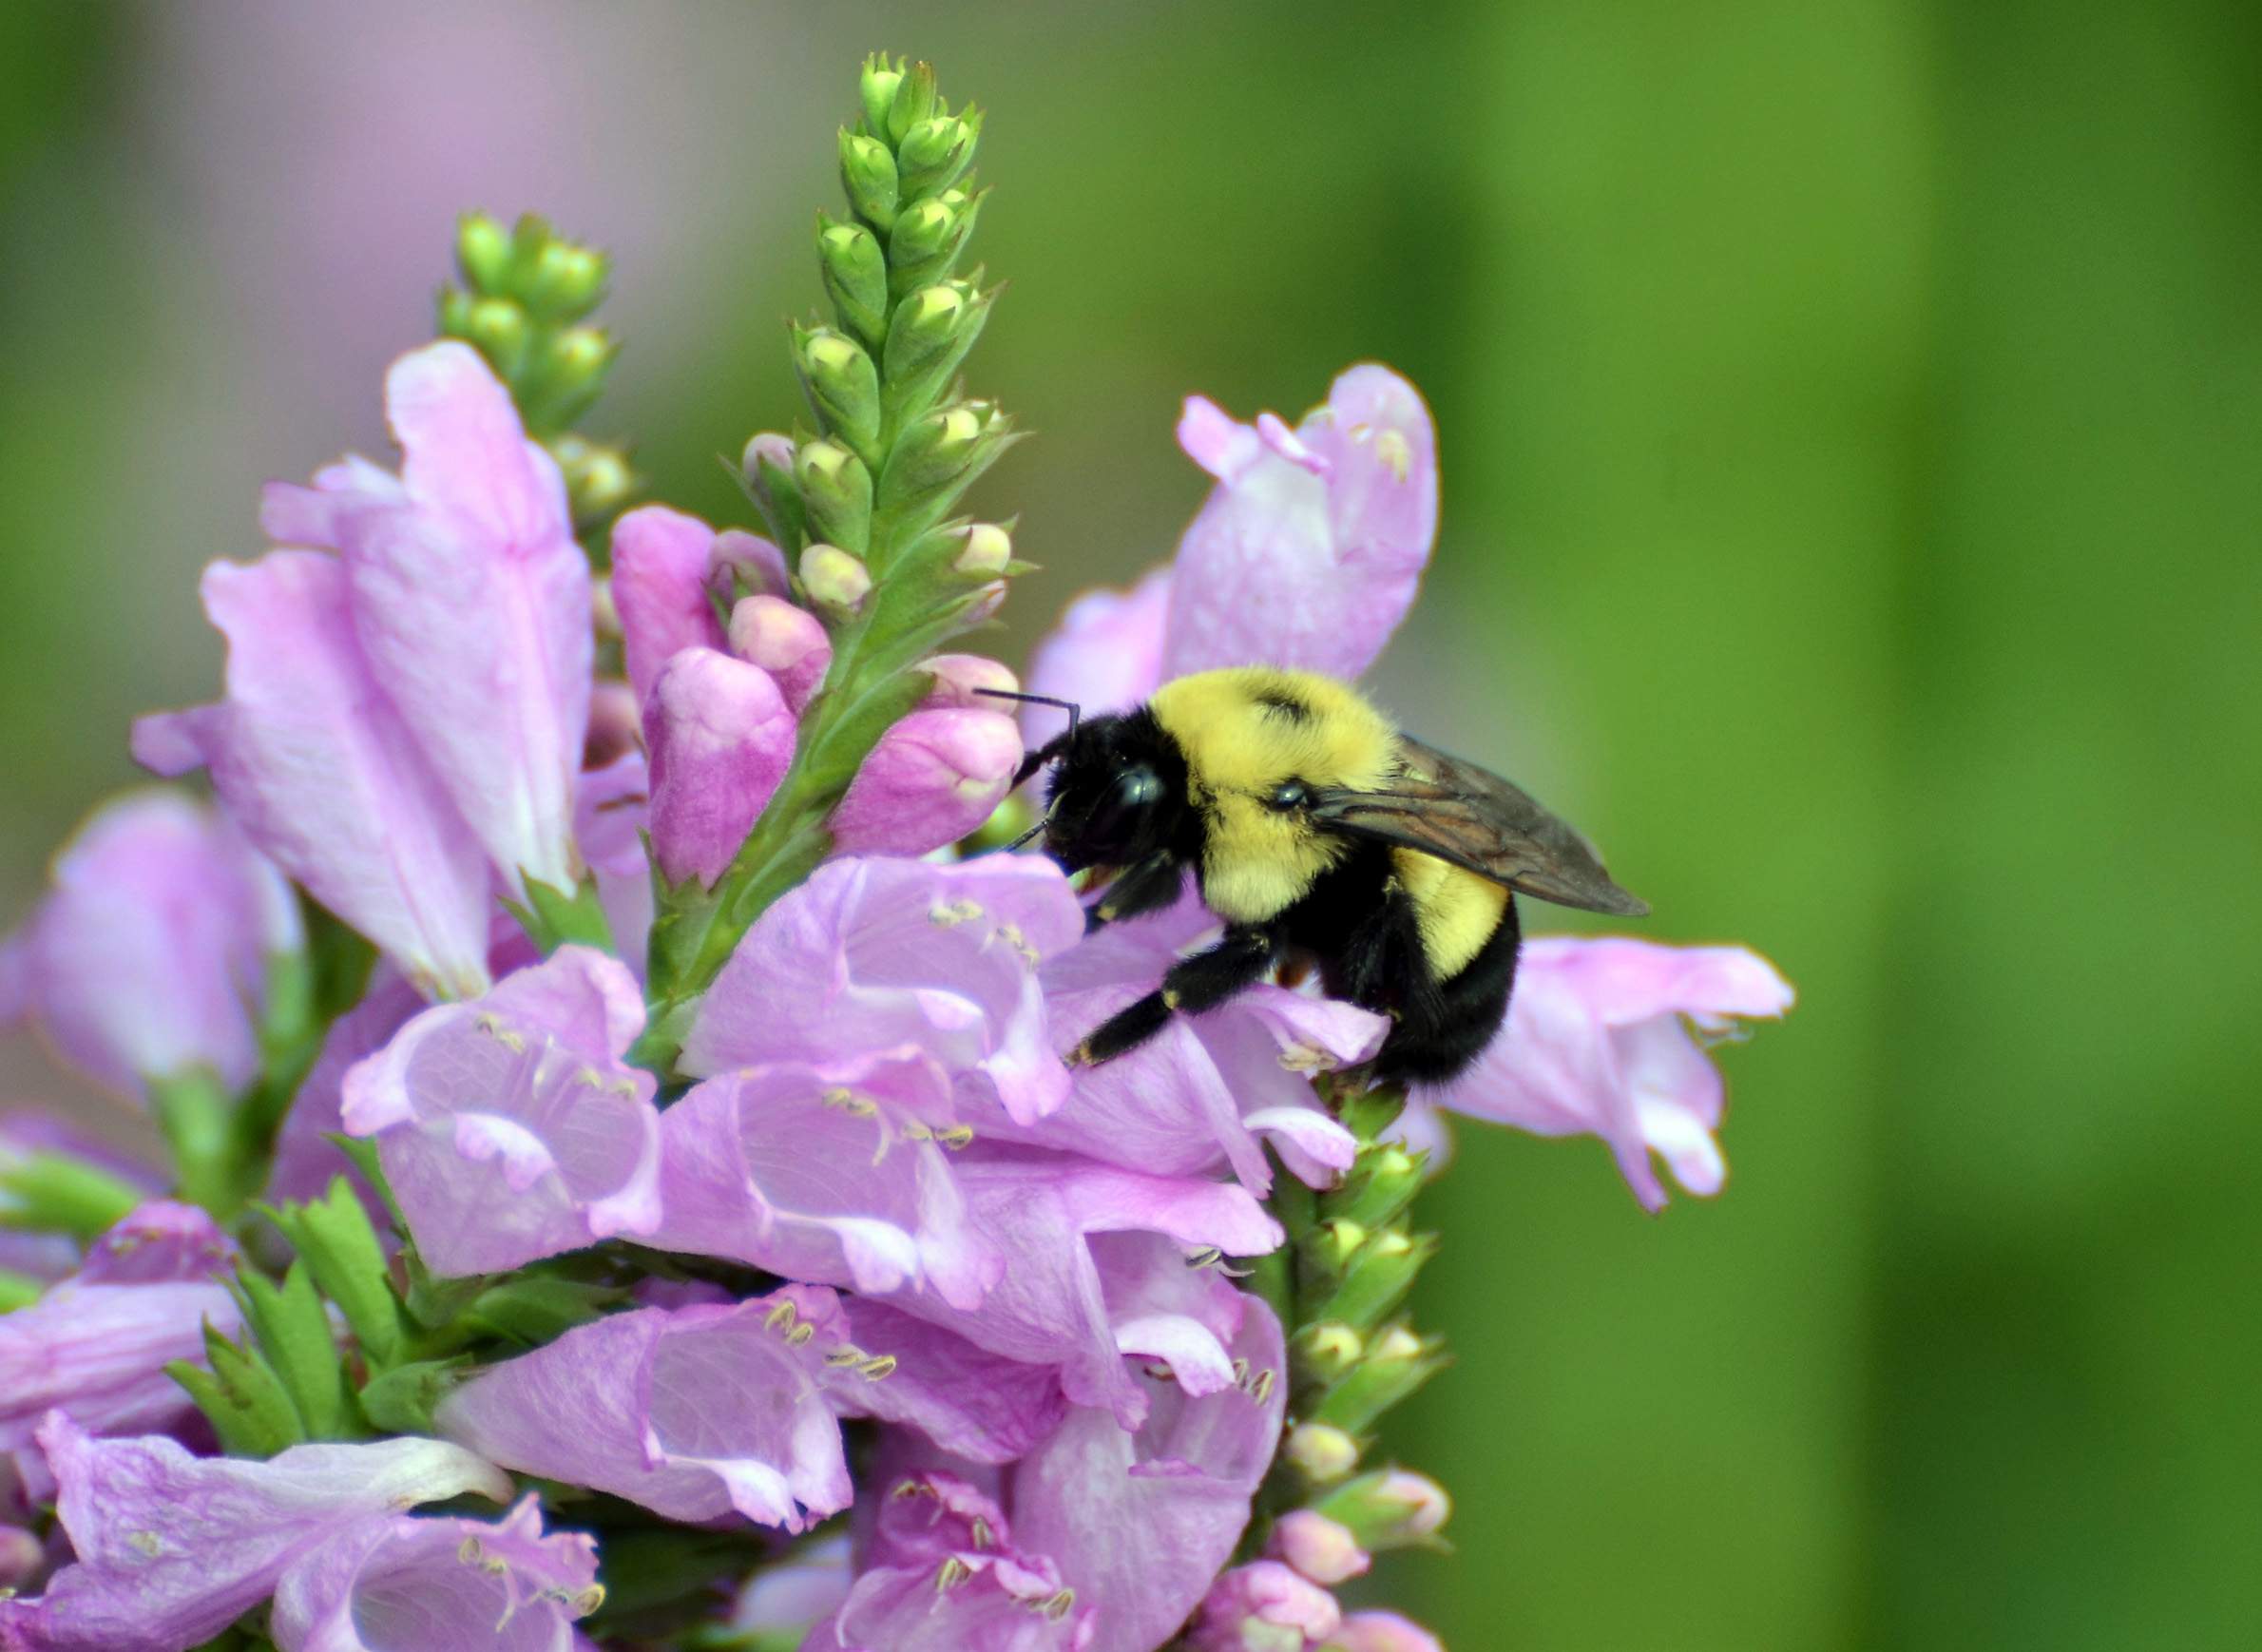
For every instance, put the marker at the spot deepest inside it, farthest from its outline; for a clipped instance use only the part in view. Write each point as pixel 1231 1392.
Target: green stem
pixel 200 1125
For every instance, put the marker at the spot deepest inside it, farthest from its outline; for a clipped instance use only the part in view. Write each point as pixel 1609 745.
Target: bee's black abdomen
pixel 1432 1047
pixel 1367 936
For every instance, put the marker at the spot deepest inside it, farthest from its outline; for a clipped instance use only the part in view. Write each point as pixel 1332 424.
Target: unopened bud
pixel 1326 1352
pixel 482 251
pixel 855 273
pixel 1381 1632
pixel 566 281
pixel 988 550
pixel 835 579
pixel 1321 1451
pixel 877 90
pixel 927 325
pixel 935 152
pixel 1378 1277
pixel 843 386
pixel 1321 1548
pixel 1396 1508
pixel 1397 1363
pixel 1383 1182
pixel 767 465
pixel 914 101
pixel 783 639
pixel 500 329
pixel 868 173
pixel 599 478
pixel 836 493
pixel 968 680
pixel 1329 1247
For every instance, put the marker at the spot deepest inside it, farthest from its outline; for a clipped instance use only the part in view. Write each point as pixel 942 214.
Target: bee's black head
pixel 1118 792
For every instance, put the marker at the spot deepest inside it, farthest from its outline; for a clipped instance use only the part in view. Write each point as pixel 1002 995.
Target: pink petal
pixel 1104 655
pixel 170 1548
pixel 510 1127
pixel 464 450
pixel 720 737
pixel 1307 552
pixel 659 585
pixel 695 1412
pixel 787 642
pixel 971 1403
pixel 935 776
pixel 319 771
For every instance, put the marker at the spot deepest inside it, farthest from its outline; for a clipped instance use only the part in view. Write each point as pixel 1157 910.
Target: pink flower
pixel 979 1407
pixel 720 735
pixel 671 572
pixel 148 958
pixel 1307 552
pixel 876 955
pixel 419 698
pixel 1208 1090
pixel 831 1174
pixel 440 1584
pixel 510 1127
pixel 1324 1550
pixel 933 778
pixel 696 1412
pixel 944 1575
pixel 1264 1607
pixel 1596 1044
pixel 95 1347
pixel 170 1548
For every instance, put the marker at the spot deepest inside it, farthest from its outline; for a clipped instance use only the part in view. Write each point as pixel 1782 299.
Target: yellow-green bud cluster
pixel 1351 1265
pixel 524 301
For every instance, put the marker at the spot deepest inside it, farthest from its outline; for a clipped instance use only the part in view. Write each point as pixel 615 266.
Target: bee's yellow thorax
pixel 1245 730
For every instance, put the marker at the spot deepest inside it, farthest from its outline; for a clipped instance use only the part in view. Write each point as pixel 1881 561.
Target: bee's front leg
pixel 1145 886
pixel 1237 962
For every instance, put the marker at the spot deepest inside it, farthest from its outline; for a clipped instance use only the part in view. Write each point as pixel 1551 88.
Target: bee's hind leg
pixel 1237 962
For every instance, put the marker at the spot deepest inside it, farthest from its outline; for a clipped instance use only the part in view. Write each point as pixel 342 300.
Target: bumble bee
pixel 1320 835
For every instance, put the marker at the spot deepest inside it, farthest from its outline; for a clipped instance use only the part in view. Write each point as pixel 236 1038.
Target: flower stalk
pixel 861 506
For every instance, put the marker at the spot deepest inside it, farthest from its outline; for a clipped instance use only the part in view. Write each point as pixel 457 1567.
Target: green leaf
pixel 48 1192
pixel 402 1400
pixel 553 918
pixel 334 1236
pixel 293 1331
pixel 198 1118
pixel 537 1308
pixel 18 1289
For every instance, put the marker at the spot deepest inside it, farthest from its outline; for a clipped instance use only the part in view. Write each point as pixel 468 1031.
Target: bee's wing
pixel 1478 821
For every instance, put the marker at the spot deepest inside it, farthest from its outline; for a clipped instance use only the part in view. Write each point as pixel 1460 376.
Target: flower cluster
pixel 665 1130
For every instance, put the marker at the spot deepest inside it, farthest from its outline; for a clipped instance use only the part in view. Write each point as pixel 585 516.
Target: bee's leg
pixel 1145 886
pixel 1237 962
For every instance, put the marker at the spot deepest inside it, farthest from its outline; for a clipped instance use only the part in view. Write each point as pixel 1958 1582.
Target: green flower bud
pixel 1383 1182
pixel 1378 1276
pixel 1321 1451
pixel 599 478
pixel 1327 1352
pixel 1396 1364
pixel 834 579
pixel 877 89
pixel 402 1401
pixel 836 493
pixel 563 281
pixel 767 469
pixel 988 550
pixel 500 330
pixel 1327 1249
pixel 868 173
pixel 927 239
pixel 933 153
pixel 842 385
pixel 856 275
pixel 937 458
pixel 482 251
pixel 913 101
pixel 930 326
pixel 1395 1509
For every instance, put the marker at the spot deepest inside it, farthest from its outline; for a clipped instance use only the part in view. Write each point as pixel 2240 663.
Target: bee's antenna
pixel 1045 821
pixel 1075 711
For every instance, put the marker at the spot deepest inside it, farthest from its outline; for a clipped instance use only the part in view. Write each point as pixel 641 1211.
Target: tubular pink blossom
pixel 1264 1607
pixel 170 1548
pixel 935 776
pixel 320 770
pixel 510 1127
pixel 695 1412
pixel 720 735
pixel 1595 1045
pixel 149 956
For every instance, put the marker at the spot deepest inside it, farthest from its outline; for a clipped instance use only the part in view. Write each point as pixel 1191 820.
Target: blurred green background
pixel 1850 417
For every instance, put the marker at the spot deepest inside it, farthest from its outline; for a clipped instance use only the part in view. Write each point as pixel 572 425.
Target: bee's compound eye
pixel 1288 795
pixel 1123 810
